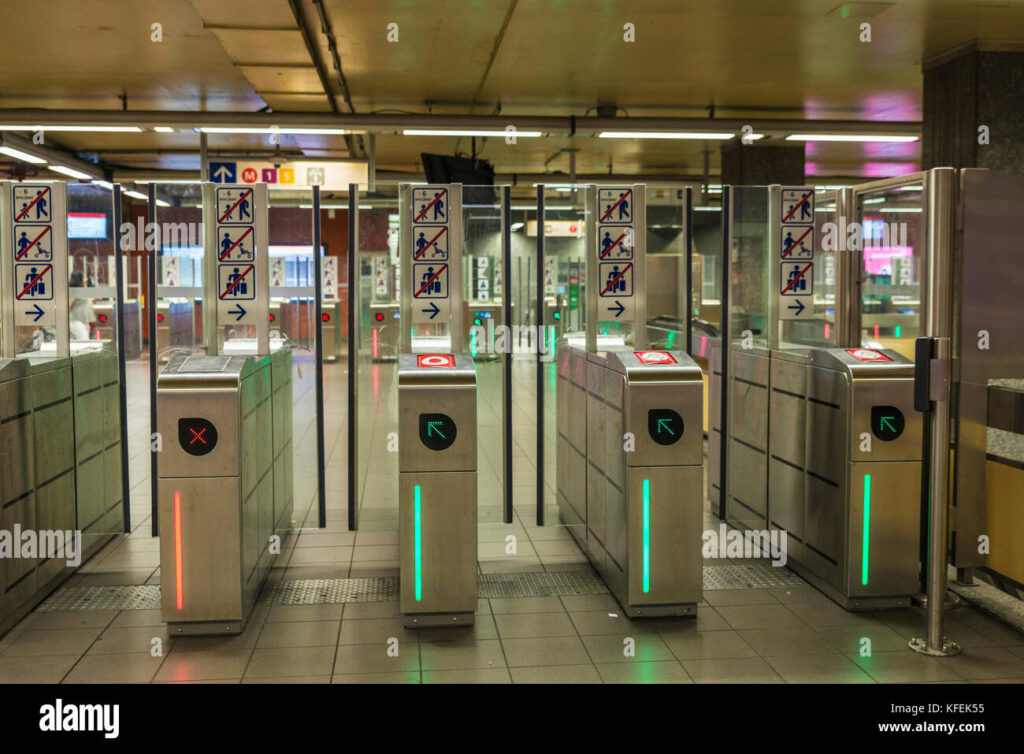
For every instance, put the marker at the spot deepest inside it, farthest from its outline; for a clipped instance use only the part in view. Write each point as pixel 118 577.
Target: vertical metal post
pixel 371 169
pixel 204 159
pixel 211 328
pixel 506 358
pixel 723 398
pixel 639 266
pixel 458 326
pixel 589 302
pixel 126 507
pixel 688 262
pixel 405 324
pixel 847 284
pixel 940 228
pixel 541 340
pixel 353 352
pixel 319 352
pixel 151 299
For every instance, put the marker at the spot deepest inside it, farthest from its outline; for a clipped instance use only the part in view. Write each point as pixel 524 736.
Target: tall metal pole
pixel 353 353
pixel 151 299
pixel 506 358
pixel 541 338
pixel 126 507
pixel 723 354
pixel 319 351
pixel 940 217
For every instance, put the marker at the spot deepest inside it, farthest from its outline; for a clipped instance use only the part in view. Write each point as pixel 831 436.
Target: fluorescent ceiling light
pixel 71 172
pixel 875 200
pixel 163 129
pixel 23 156
pixel 105 184
pixel 707 209
pixel 850 137
pixel 664 135
pixel 469 132
pixel 136 195
pixel 162 203
pixel 900 209
pixel 87 129
pixel 165 180
pixel 274 130
pixel 546 208
pixel 515 226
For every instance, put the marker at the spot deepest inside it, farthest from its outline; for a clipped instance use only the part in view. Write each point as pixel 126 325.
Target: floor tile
pixel 796 640
pixel 905 666
pixel 374 658
pixel 612 649
pixel 68 619
pixel 133 639
pixel 561 674
pixel 708 645
pixel 461 655
pixel 376 631
pixel 286 661
pixel 320 633
pixel 515 605
pixel 851 639
pixel 759 616
pixel 985 663
pixel 565 650
pixel 294 613
pixel 736 670
pixel 597 622
pixel 534 625
pixel 821 668
pixel 471 675
pixel 723 597
pixel 199 666
pixel 644 672
pixel 115 668
pixel 51 641
pixel 35 669
pixel 410 676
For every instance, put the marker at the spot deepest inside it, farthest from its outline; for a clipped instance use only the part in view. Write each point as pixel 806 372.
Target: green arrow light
pixel 663 424
pixel 884 423
pixel 433 427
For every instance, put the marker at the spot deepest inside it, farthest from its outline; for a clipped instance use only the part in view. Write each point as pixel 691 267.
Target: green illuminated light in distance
pixel 867 528
pixel 418 544
pixel 647 536
pixel 897 331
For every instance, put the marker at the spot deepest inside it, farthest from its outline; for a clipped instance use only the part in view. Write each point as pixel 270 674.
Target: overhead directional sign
pixel 796 253
pixel 238 237
pixel 615 205
pixel 36 242
pixel 223 172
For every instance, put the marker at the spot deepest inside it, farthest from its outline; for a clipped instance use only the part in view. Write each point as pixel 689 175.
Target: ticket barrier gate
pixel 330 329
pixel 637 513
pixel 437 489
pixel 60 468
pixel 225 484
pixel 385 329
pixel 104 311
pixel 847 490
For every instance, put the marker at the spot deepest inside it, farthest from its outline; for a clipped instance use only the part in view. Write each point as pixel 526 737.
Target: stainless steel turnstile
pixel 225 482
pixel 437 488
pixel 630 472
pixel 847 490
pixel 331 330
pixel 385 328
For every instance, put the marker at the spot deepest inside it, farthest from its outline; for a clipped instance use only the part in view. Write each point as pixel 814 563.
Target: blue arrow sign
pixel 433 311
pixel 239 311
pixel 222 172
pixel 37 311
pixel 618 309
pixel 799 306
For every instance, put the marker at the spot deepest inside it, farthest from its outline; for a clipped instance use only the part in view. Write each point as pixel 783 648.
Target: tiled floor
pixel 792 635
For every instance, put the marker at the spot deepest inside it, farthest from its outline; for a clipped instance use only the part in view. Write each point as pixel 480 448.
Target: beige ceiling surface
pixel 746 58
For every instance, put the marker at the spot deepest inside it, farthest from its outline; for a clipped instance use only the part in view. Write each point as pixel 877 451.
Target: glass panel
pixel 379 327
pixel 91 268
pixel 179 269
pixel 666 259
pixel 891 266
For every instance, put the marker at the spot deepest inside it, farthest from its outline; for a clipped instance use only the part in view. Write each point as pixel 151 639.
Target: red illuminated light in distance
pixel 103 318
pixel 271 316
pixel 325 317
pixel 380 316
pixel 159 318
pixel 179 589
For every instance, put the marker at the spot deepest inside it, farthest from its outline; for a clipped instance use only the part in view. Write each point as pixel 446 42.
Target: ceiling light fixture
pixel 276 130
pixel 136 195
pixel 70 172
pixel 84 129
pixel 666 135
pixel 469 132
pixel 852 137
pixel 23 156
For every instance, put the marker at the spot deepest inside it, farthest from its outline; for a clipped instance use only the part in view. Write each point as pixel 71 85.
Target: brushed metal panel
pixel 221 407
pixel 894 527
pixel 90 493
pixel 17 465
pixel 20 571
pixel 211 559
pixel 786 497
pixel 448 527
pixel 748 476
pixel 459 403
pixel 675 530
pixel 683 397
pixel 883 392
pixel 787 431
pixel 825 527
pixel 55 511
pixel 88 424
pixel 597 491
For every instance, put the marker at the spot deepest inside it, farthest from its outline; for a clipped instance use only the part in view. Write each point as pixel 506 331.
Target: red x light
pixel 196 436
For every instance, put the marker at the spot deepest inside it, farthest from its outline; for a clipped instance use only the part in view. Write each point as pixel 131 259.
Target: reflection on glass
pixel 891 251
pixel 748 266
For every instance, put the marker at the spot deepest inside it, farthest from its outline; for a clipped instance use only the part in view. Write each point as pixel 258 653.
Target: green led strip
pixel 647 536
pixel 867 531
pixel 418 546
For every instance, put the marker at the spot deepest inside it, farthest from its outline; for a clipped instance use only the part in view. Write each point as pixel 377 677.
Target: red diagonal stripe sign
pixel 798 205
pixel 35 280
pixel 430 243
pixel 35 240
pixel 431 280
pixel 432 203
pixel 31 204
pixel 238 280
pixel 796 243
pixel 240 239
pixel 615 279
pixel 794 280
pixel 231 209
pixel 617 242
pixel 611 209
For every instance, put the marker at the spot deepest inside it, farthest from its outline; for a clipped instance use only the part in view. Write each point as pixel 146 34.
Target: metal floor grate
pixel 385 589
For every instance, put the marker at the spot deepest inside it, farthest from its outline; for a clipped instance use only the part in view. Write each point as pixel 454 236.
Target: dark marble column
pixel 757 165
pixel 972 86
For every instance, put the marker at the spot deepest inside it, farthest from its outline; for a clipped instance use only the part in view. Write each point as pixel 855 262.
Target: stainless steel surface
pixel 847 285
pixel 219 510
pixel 437 491
pixel 612 474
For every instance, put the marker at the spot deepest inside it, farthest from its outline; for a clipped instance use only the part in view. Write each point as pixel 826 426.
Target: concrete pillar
pixel 761 165
pixel 971 86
